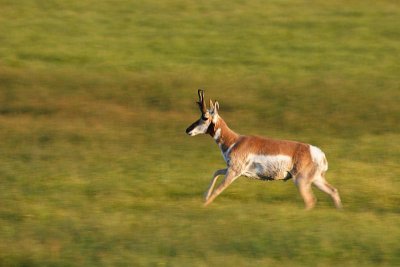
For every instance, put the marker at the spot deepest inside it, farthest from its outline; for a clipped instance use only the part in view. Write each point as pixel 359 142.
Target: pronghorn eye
pixel 204 118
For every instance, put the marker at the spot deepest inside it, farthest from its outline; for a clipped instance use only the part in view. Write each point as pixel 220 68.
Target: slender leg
pixel 213 181
pixel 305 191
pixel 230 176
pixel 324 186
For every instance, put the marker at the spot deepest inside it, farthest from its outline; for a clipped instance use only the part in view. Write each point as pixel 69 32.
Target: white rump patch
pixel 268 167
pixel 318 157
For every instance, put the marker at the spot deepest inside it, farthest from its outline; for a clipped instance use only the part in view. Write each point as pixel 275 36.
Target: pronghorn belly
pixel 271 167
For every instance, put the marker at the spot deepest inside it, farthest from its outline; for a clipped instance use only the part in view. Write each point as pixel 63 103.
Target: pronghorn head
pixel 208 117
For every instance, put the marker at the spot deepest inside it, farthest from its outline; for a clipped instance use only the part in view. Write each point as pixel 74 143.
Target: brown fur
pixel 236 149
pixel 227 137
pixel 299 152
pixel 244 145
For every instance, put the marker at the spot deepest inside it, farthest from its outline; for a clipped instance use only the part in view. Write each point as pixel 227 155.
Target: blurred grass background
pixel 95 167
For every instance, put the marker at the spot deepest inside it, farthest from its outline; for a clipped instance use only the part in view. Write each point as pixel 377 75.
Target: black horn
pixel 202 104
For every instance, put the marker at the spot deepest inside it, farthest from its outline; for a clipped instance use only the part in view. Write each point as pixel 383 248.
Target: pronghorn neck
pixel 222 134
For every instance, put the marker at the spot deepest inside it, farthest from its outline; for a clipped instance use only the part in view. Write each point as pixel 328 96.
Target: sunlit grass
pixel 95 167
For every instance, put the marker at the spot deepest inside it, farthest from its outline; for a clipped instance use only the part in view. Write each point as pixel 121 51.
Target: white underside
pixel 274 167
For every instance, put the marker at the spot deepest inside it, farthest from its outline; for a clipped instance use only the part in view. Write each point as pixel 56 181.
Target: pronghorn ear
pixel 216 107
pixel 211 105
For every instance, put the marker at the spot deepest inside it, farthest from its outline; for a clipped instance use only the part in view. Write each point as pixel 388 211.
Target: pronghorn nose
pixel 189 129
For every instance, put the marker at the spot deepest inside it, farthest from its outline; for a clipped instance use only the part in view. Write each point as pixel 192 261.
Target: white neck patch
pixel 217 134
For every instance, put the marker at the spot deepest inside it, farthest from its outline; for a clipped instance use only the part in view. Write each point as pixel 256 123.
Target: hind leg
pixel 304 186
pixel 324 186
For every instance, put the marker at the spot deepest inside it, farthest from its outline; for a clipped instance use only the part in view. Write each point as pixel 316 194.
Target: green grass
pixel 95 167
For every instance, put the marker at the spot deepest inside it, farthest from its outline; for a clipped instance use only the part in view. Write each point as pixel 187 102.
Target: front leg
pixel 213 181
pixel 230 176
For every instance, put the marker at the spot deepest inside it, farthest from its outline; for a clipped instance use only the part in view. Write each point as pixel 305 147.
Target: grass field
pixel 95 96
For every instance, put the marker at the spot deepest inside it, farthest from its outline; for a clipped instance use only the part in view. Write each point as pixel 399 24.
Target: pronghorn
pixel 262 158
